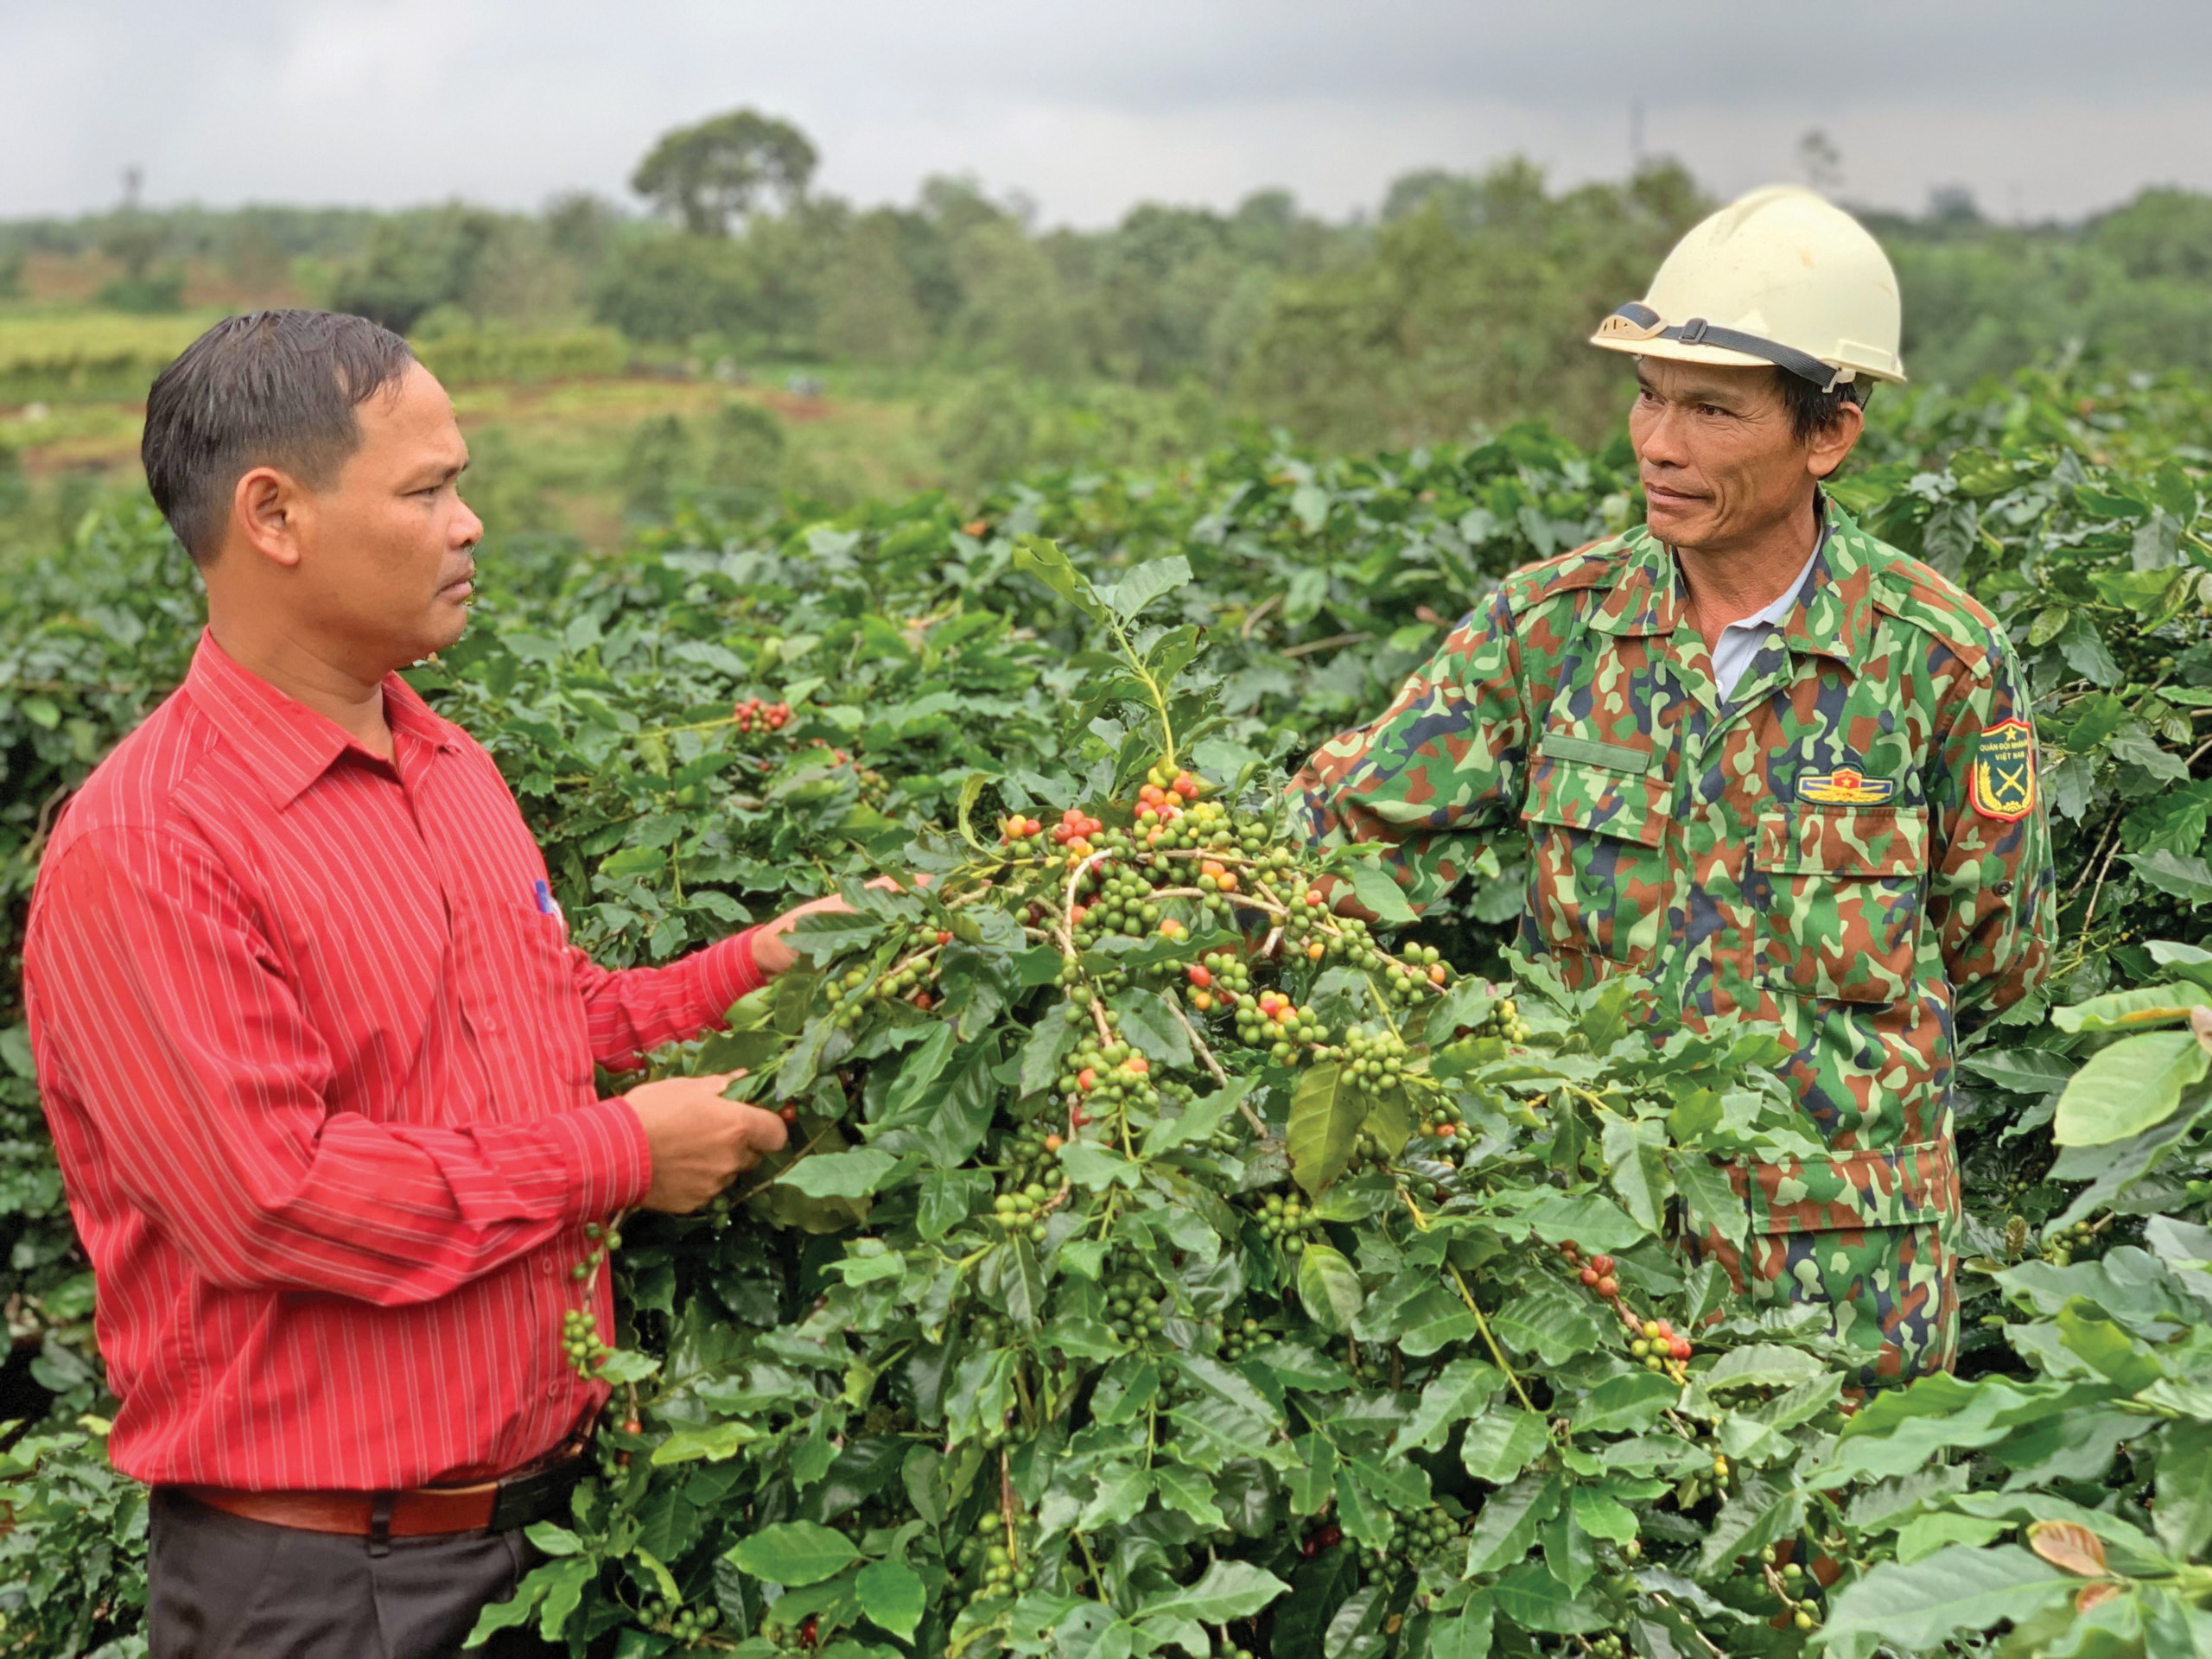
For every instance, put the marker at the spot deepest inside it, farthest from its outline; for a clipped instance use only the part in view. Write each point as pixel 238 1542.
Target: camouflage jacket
pixel 1852 851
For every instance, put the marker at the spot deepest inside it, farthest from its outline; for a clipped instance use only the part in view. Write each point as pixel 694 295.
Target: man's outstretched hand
pixel 700 1141
pixel 773 957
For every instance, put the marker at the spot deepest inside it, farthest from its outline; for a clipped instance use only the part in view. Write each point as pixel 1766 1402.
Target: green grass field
pixel 564 455
pixel 583 453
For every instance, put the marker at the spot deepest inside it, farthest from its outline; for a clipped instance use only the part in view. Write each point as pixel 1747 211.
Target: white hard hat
pixel 1778 276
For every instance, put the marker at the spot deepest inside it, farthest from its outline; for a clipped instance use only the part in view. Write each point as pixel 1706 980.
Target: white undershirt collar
pixel 1740 641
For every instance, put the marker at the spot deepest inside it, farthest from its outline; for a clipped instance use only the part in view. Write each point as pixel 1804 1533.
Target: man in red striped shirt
pixel 318 1055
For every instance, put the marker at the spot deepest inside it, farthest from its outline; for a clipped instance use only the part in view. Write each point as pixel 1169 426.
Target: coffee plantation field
pixel 1165 1264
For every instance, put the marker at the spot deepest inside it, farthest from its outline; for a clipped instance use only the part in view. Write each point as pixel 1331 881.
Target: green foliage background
pixel 786 1387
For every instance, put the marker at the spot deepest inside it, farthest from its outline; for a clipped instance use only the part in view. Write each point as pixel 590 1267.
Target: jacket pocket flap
pixel 1890 1186
pixel 1577 796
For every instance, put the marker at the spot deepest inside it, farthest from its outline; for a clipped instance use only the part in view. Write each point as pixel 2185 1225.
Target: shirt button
pixel 552 1390
pixel 2001 888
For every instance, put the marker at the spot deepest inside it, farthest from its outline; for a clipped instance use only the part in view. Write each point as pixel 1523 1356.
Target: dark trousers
pixel 222 1587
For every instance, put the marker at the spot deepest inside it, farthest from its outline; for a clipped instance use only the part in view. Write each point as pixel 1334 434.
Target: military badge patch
pixel 1845 786
pixel 2004 782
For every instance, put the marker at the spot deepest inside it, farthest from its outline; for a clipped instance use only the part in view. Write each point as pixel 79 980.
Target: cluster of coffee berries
pixel 912 981
pixel 1004 1571
pixel 753 715
pixel 1217 979
pixel 1443 1122
pixel 1327 1535
pixel 1273 1022
pixel 1705 1480
pixel 801 1637
pixel 1124 898
pixel 611 1456
pixel 1024 1210
pixel 1596 1273
pixel 874 788
pixel 1608 1645
pixel 579 1341
pixel 1418 1537
pixel 686 1623
pixel 1315 934
pixel 2063 1246
pixel 1074 831
pixel 987 1329
pixel 602 1240
pixel 1422 968
pixel 1239 1337
pixel 1136 1309
pixel 1655 1342
pixel 1019 832
pixel 1797 1590
pixel 1504 1022
pixel 1112 1073
pixel 1162 799
pixel 1027 1154
pixel 1377 1058
pixel 1286 1221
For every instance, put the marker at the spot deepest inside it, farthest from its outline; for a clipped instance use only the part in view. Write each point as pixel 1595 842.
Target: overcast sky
pixel 2042 107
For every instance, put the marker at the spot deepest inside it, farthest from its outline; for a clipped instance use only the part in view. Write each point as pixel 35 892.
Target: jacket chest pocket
pixel 1839 892
pixel 1596 822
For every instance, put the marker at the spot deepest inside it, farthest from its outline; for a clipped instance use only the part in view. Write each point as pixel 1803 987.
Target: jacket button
pixel 2001 889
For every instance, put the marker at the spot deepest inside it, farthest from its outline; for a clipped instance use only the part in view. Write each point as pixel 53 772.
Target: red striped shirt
pixel 319 1070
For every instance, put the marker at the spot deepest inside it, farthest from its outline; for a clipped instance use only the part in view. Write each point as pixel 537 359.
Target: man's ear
pixel 1832 446
pixel 266 511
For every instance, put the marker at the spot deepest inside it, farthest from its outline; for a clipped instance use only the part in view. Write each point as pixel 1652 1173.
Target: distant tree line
pixel 1462 302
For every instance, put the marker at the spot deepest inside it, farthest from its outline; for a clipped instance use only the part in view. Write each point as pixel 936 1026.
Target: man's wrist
pixel 771 956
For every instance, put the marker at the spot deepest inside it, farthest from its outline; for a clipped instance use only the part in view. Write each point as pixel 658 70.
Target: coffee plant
pixel 1164 1260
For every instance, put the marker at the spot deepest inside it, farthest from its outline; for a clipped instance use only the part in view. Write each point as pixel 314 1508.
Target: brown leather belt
pixel 535 1493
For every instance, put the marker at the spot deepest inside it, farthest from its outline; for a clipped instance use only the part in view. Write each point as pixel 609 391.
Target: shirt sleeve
pixel 1436 773
pixel 168 1018
pixel 629 1011
pixel 1992 886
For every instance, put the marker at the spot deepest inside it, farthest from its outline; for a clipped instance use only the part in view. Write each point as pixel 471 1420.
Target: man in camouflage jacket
pixel 1847 847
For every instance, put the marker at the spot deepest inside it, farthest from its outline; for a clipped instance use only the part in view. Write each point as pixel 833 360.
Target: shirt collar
pixel 1829 611
pixel 287 745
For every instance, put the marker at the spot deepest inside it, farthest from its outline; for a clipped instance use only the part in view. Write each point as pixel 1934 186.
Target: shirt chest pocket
pixel 1839 892
pixel 1598 823
pixel 544 1016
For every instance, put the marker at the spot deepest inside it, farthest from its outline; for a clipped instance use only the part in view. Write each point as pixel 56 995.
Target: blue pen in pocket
pixel 547 903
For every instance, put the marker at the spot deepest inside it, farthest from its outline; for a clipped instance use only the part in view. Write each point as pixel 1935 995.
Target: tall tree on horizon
pixel 720 170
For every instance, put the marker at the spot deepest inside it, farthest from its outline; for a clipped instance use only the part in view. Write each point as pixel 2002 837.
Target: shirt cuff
pixel 727 973
pixel 605 1155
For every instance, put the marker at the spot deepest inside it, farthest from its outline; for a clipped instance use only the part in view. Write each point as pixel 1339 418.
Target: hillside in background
pixel 735 329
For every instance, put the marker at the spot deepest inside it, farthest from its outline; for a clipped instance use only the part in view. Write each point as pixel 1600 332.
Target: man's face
pixel 1721 465
pixel 389 566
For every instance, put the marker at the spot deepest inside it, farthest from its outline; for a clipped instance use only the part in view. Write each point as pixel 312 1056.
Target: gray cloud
pixel 2042 107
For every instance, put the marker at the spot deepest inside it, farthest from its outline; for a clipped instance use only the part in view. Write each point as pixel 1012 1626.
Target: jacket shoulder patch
pixel 2003 784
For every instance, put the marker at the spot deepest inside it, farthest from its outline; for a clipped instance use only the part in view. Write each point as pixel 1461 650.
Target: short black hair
pixel 272 389
pixel 1813 411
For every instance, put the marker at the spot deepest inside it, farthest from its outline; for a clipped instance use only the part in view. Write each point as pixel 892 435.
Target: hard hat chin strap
pixel 1644 323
